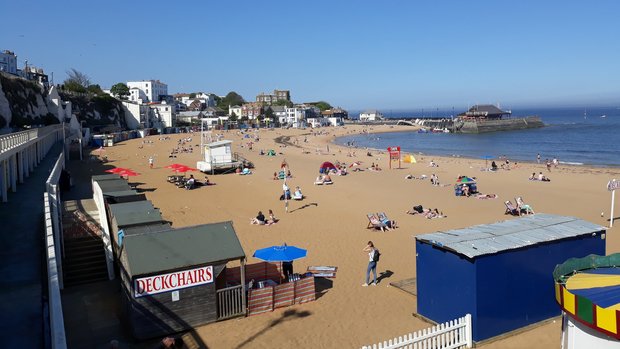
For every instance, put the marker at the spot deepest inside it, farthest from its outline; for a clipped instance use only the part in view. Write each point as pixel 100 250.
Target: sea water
pixel 575 136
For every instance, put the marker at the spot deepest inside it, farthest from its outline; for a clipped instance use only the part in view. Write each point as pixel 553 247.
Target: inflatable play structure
pixel 588 292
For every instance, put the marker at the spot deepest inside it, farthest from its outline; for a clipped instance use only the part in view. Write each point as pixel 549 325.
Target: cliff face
pixel 24 103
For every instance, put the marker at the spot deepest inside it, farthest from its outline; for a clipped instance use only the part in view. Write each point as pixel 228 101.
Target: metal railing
pixel 230 302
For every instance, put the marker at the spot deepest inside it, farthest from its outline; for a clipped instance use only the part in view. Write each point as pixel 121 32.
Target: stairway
pixel 84 255
pixel 84 261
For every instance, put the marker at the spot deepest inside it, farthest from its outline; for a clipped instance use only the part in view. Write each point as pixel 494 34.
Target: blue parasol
pixel 282 253
pixel 486 159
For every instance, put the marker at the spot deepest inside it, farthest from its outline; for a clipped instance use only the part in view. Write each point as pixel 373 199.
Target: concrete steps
pixel 84 261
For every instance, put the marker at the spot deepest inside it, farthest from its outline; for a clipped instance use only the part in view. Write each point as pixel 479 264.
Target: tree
pixel 233 117
pixel 269 113
pixel 284 103
pixel 121 90
pixel 95 89
pixel 322 105
pixel 78 77
pixel 232 98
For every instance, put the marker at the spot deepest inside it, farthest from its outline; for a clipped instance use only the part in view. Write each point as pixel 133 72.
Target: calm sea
pixel 575 136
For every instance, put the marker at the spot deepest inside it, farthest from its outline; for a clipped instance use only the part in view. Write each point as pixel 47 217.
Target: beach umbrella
pixel 282 253
pixel 173 166
pixel 128 173
pixel 486 159
pixel 465 179
pixel 117 170
pixel 183 169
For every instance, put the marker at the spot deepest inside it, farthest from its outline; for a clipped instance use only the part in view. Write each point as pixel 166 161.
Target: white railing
pixel 53 224
pixel 57 323
pixel 449 335
pixel 14 140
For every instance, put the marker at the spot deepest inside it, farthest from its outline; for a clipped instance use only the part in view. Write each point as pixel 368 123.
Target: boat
pixel 603 116
pixel 489 118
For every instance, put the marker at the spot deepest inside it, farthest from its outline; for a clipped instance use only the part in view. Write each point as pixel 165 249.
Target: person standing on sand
pixel 538 158
pixel 372 262
pixel 151 160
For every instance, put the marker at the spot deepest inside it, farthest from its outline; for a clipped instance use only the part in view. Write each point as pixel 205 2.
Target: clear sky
pixel 354 54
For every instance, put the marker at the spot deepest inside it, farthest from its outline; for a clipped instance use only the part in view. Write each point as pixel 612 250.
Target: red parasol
pixel 173 166
pixel 184 169
pixel 117 170
pixel 128 173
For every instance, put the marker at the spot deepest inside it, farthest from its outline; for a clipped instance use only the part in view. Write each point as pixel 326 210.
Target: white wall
pixel 578 336
pixel 132 114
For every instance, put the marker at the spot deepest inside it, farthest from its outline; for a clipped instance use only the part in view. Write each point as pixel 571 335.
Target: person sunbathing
pixel 533 177
pixel 465 190
pixel 434 214
pixel 327 179
pixel 297 195
pixel 272 219
pixel 259 219
pixel 319 180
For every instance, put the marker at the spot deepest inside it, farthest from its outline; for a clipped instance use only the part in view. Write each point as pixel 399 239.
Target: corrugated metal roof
pixel 158 252
pixel 507 235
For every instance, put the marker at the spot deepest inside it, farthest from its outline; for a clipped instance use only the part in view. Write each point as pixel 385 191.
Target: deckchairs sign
pixel 613 185
pixel 173 281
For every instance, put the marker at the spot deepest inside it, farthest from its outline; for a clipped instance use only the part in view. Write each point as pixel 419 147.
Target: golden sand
pixel 334 230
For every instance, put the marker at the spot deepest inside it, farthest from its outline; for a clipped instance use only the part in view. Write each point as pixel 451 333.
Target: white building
pixel 295 116
pixel 8 62
pixel 164 114
pixel 370 115
pixel 147 91
pixel 136 115
pixel 236 109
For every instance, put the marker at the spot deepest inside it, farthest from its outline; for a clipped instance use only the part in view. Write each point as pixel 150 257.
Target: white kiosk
pixel 217 156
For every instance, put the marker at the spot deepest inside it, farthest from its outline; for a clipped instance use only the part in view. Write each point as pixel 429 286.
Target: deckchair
pixel 384 218
pixel 523 207
pixel 510 209
pixel 374 222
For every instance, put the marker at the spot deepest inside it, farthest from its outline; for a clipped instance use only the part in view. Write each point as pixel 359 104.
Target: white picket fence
pixel 449 335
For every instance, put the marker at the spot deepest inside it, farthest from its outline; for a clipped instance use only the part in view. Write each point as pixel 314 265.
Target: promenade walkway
pixel 22 269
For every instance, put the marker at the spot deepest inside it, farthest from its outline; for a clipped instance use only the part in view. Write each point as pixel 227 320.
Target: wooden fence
pixel 449 335
pixel 230 302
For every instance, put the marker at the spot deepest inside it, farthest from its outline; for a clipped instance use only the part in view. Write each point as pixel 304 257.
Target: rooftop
pixel 492 238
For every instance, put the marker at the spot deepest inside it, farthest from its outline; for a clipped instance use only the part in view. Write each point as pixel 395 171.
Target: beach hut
pixel 499 273
pixel 588 292
pixel 175 280
pixel 131 214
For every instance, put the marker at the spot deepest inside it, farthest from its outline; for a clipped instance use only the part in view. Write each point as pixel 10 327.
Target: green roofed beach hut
pixel 132 214
pixel 175 280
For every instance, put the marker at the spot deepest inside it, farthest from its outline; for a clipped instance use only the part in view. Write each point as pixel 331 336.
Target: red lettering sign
pixel 173 281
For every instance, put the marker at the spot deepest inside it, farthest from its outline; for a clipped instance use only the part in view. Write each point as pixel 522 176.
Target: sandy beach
pixel 331 224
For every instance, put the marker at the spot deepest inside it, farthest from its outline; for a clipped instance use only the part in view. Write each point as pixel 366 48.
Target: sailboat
pixel 603 116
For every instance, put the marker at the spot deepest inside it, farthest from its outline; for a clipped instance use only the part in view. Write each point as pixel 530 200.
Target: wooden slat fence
pixel 230 302
pixel 449 335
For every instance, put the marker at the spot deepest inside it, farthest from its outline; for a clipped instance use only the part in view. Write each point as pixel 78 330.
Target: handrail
pixel 14 140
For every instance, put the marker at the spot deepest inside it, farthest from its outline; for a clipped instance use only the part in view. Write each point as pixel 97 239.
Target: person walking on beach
pixel 538 158
pixel 373 258
pixel 151 160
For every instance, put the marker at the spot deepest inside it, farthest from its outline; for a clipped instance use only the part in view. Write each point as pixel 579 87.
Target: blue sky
pixel 355 54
